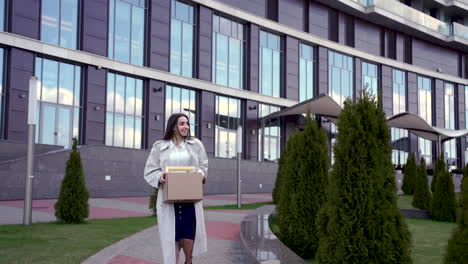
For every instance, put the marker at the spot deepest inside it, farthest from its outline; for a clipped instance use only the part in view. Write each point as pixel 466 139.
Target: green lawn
pixel 404 201
pixel 429 239
pixel 60 243
pixel 247 206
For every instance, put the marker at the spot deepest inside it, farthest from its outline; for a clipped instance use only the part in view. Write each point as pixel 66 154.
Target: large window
pixel 59 22
pixel 124 111
pixel 228 52
pixel 270 64
pixel 306 72
pixel 228 120
pixel 399 137
pixel 182 38
pixel 58 108
pixel 425 111
pixel 466 123
pixel 340 77
pixel 126 30
pixel 450 146
pixel 2 15
pixel 2 92
pixel 340 85
pixel 272 137
pixel 370 78
pixel 181 100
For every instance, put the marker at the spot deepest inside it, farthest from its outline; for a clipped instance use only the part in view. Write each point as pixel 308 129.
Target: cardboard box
pixel 183 184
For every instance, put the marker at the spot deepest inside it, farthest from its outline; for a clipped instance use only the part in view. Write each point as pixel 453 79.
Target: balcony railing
pixel 412 15
pixel 460 30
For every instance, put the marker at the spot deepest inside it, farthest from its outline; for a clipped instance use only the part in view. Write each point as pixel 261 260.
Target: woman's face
pixel 182 127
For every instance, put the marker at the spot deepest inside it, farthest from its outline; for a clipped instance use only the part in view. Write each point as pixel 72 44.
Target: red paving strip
pixel 122 259
pixel 106 213
pixel 138 200
pixel 222 230
pixel 45 206
pixel 229 211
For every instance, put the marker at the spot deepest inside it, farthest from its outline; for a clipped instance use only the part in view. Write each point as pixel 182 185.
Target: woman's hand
pixel 162 180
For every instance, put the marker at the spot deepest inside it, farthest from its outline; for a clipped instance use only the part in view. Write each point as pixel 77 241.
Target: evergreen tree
pixel 457 251
pixel 72 205
pixel 439 169
pixel 280 175
pixel 422 195
pixel 152 201
pixel 444 204
pixel 409 179
pixel 303 192
pixel 361 222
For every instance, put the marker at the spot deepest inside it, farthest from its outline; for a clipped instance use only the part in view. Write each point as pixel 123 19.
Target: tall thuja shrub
pixel 361 222
pixel 72 205
pixel 444 204
pixel 422 195
pixel 306 186
pixel 457 250
pixel 280 175
pixel 409 178
pixel 439 169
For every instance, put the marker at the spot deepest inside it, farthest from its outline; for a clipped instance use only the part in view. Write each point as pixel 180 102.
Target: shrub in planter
pixel 152 201
pixel 457 250
pixel 444 204
pixel 422 195
pixel 303 192
pixel 72 205
pixel 409 178
pixel 280 175
pixel 361 222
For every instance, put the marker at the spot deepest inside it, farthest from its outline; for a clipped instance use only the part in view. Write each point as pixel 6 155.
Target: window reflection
pixel 181 100
pixel 227 121
pixel 450 149
pixel 228 50
pixel 123 120
pixel 270 64
pixel 59 19
pixel 399 137
pixel 306 72
pixel 58 110
pixel 370 78
pixel 2 15
pixel 182 27
pixel 272 134
pixel 425 111
pixel 2 92
pixel 126 31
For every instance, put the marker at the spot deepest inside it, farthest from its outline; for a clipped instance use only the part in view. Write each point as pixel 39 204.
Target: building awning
pixel 322 105
pixel 418 126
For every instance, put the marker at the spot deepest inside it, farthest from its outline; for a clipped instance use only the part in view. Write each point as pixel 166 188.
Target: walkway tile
pixel 222 230
pixel 122 259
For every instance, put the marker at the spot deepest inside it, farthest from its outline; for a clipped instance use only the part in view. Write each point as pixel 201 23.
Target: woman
pixel 180 225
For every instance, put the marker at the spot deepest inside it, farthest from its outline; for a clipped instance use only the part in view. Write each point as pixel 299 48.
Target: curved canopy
pixel 421 128
pixel 322 105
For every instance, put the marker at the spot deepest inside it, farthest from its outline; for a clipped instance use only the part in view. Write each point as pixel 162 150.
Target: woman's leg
pixel 177 251
pixel 188 248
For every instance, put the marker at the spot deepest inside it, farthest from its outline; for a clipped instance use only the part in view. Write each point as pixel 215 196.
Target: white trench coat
pixel 155 165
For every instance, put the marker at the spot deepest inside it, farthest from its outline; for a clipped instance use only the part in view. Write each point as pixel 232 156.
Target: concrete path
pixel 222 226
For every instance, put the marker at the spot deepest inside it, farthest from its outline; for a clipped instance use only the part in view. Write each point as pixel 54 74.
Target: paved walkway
pixel 222 226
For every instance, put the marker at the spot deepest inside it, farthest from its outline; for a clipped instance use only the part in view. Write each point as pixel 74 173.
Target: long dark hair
pixel 172 123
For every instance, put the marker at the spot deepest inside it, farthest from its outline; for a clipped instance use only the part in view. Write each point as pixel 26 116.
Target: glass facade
pixel 306 72
pixel 59 101
pixel 181 100
pixel 126 31
pixel 466 123
pixel 228 52
pixel 270 64
pixel 370 78
pixel 425 111
pixel 228 120
pixel 340 77
pixel 2 92
pixel 399 137
pixel 450 147
pixel 182 38
pixel 59 22
pixel 272 138
pixel 124 111
pixel 2 15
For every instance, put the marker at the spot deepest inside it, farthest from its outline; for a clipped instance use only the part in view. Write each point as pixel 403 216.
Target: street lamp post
pixel 239 154
pixel 27 209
